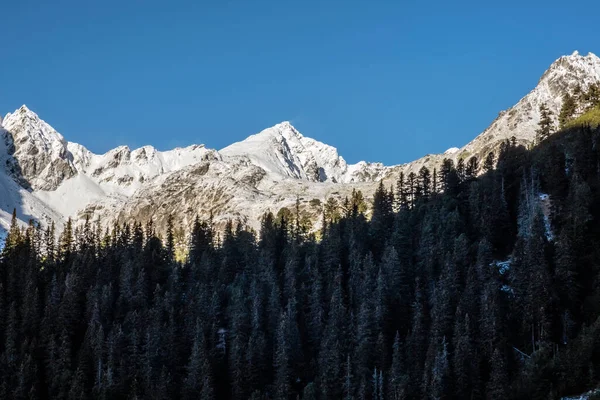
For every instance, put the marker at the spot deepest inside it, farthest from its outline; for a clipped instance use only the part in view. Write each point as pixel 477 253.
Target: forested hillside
pixel 458 287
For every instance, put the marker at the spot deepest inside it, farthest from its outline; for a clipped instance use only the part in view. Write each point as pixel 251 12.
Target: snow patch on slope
pixel 40 158
pixel 284 152
pixel 15 197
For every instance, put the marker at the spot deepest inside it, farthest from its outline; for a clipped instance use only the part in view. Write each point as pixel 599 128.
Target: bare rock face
pixel 41 160
pixel 265 172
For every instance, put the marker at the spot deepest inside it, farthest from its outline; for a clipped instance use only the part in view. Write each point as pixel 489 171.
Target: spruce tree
pixel 545 125
pixel 567 111
pixel 425 182
pixel 490 162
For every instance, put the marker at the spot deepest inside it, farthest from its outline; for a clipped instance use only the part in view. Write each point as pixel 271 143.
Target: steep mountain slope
pixel 13 196
pixel 522 119
pixel 40 157
pixel 47 178
pixel 283 151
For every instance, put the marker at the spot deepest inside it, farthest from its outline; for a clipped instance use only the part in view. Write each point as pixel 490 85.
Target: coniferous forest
pixel 456 286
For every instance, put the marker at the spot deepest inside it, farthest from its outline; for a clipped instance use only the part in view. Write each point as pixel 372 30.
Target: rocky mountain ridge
pixel 48 178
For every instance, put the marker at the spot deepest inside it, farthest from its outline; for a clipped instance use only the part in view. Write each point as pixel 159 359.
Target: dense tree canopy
pixel 457 287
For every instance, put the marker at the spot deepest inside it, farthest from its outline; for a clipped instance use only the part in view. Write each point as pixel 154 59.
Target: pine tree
pixel 358 203
pixel 348 388
pixel 66 241
pixel 382 219
pixel 449 178
pixel 472 168
pixel 310 392
pixel 498 383
pixel 461 170
pixel 546 124
pixel 170 240
pixel 331 211
pixel 333 346
pixel 567 111
pixel 425 182
pixel 440 373
pixel 282 384
pixel 592 96
pixel 465 359
pixel 402 195
pixel 398 379
pixel 14 237
pixel 201 240
pixel 490 162
pixel 198 375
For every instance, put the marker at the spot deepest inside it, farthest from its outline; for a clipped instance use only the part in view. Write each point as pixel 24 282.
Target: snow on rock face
pixel 522 120
pixel 13 196
pixel 41 155
pixel 283 151
pixel 235 190
pixel 48 178
pixel 123 171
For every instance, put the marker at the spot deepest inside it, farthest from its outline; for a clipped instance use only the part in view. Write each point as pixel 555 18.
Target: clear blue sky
pixel 381 80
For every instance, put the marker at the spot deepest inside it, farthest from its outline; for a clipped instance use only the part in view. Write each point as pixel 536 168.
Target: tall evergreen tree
pixel 567 110
pixel 546 124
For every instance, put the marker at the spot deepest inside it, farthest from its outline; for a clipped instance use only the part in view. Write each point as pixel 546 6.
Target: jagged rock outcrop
pixel 40 159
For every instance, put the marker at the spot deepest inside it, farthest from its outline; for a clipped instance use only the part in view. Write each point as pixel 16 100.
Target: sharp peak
pixel 279 129
pixel 285 125
pixel 24 110
pixel 574 61
pixel 24 115
pixel 576 57
pixel 120 148
pixel 577 54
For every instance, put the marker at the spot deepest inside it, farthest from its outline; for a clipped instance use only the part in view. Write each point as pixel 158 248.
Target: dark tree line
pixel 458 287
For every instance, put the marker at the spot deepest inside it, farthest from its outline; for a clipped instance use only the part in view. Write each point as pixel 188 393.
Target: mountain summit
pixel 48 178
pixel 521 120
pixel 283 151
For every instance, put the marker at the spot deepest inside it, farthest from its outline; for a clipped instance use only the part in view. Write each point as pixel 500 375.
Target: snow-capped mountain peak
pixel 521 120
pixel 283 151
pixel 51 179
pixel 41 159
pixel 34 130
pixel 573 67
